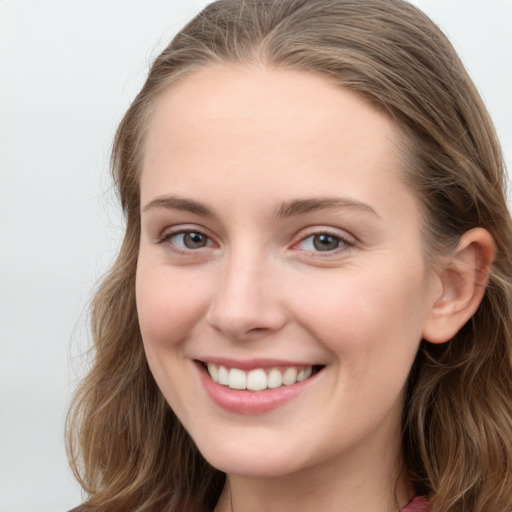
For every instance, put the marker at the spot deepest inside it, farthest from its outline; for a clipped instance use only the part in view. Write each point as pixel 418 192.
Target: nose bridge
pixel 247 298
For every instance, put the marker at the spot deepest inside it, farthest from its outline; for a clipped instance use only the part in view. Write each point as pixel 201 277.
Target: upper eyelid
pixel 173 231
pixel 319 230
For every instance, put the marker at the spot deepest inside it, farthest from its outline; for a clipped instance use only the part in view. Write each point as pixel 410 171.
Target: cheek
pixel 367 317
pixel 168 307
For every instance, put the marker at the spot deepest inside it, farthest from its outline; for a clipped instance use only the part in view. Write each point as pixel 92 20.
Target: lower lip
pixel 251 402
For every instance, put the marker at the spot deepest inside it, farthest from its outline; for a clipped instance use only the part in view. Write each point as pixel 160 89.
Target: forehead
pixel 255 124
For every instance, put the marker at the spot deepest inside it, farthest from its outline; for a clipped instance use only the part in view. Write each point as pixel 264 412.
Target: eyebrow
pixel 303 206
pixel 178 203
pixel 287 209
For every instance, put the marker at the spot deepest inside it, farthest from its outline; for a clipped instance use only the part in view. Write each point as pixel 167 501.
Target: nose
pixel 248 303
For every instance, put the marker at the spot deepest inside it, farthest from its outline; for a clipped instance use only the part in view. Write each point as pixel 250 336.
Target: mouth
pixel 260 379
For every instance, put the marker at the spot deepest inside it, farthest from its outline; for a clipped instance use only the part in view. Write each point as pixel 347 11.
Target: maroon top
pixel 418 504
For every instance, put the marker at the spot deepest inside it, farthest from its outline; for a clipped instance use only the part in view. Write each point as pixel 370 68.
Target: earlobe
pixel 463 279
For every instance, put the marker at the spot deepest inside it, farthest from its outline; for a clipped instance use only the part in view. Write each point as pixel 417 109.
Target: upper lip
pixel 252 364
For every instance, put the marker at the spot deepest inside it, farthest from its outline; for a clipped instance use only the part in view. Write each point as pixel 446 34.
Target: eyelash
pixel 343 243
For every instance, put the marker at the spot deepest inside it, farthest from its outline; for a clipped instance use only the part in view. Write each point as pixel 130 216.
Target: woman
pixel 311 306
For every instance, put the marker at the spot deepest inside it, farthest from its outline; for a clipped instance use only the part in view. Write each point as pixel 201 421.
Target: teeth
pixel 274 379
pixel 304 374
pixel 223 376
pixel 237 379
pixel 258 379
pixel 213 370
pixel 290 376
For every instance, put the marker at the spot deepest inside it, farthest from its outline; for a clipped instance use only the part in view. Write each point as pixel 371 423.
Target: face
pixel 281 253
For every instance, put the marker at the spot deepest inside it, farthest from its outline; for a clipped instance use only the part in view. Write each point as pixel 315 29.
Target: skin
pixel 240 142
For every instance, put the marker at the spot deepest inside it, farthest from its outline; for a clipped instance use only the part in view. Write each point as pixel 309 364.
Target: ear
pixel 463 278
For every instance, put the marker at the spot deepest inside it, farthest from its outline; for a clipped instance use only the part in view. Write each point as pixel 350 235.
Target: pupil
pixel 194 240
pixel 325 242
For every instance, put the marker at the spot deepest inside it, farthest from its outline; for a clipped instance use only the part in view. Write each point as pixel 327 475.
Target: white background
pixel 68 70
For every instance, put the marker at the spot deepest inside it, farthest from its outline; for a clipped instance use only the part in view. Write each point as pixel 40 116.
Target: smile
pixel 259 378
pixel 259 388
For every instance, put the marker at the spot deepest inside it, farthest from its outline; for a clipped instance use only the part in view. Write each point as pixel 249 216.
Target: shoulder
pixel 418 504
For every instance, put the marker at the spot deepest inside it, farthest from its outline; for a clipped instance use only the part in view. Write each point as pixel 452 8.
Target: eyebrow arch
pixel 303 206
pixel 178 203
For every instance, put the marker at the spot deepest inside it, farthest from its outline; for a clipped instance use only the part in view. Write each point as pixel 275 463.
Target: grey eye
pixel 322 242
pixel 325 242
pixel 190 240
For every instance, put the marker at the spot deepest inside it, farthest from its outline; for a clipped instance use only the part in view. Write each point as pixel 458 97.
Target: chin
pixel 260 468
pixel 254 460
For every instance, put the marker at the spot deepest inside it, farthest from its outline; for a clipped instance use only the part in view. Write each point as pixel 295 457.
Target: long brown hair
pixel 126 446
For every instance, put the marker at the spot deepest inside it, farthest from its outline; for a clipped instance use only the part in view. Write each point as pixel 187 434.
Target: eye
pixel 187 240
pixel 322 242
